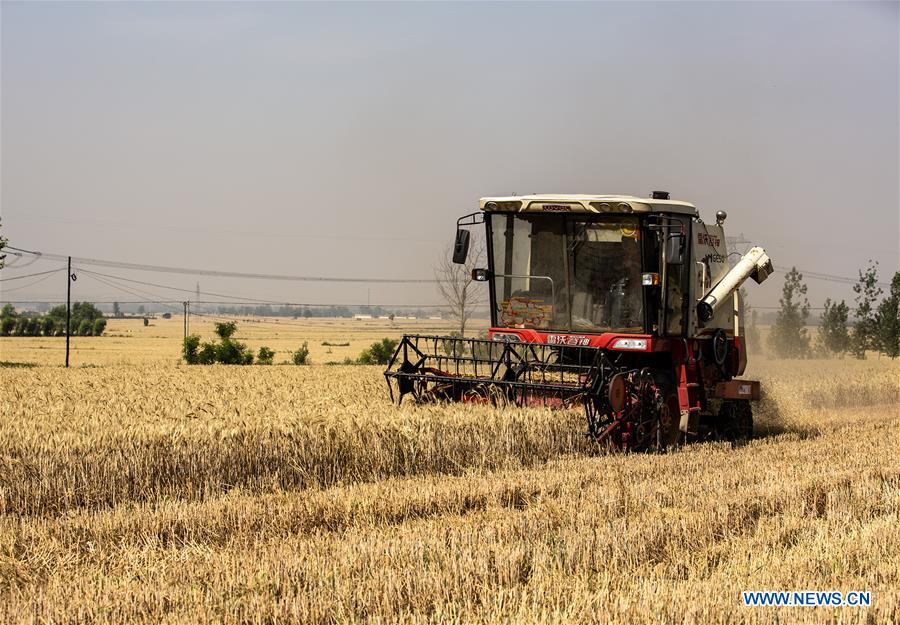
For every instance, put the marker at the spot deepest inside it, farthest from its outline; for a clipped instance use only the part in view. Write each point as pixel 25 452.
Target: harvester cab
pixel 627 306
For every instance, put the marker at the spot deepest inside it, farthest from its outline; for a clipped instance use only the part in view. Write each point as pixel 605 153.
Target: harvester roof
pixel 565 203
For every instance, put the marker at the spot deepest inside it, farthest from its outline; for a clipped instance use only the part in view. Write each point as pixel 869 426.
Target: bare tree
pixel 456 286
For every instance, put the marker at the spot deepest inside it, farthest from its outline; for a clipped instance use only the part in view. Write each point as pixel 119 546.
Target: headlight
pixel 638 345
pixel 506 337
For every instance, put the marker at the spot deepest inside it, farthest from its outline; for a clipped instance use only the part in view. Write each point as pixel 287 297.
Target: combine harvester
pixel 626 306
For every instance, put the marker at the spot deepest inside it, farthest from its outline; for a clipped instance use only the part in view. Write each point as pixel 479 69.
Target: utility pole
pixel 69 278
pixel 187 311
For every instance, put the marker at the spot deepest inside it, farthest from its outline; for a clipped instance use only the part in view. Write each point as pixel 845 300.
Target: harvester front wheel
pixel 669 434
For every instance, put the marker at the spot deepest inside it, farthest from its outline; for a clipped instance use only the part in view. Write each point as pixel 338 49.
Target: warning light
pixel 650 279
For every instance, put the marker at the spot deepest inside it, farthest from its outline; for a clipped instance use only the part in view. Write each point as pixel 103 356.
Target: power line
pixel 125 290
pixel 242 299
pixel 223 274
pixel 115 284
pixel 38 281
pixel 113 281
pixel 31 275
pixel 174 288
pixel 18 255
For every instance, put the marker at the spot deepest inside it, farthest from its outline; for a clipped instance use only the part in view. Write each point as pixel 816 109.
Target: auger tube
pixel 754 264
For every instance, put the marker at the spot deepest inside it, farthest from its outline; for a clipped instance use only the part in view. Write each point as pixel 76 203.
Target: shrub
pixel 99 326
pixel 146 322
pixel 226 329
pixel 231 352
pixel 301 356
pixel 85 327
pixel 227 351
pixel 189 349
pixel 265 356
pixel 379 353
pixel 48 326
pixel 207 354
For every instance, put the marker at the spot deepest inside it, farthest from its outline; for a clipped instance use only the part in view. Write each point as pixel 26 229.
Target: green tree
pixel 26 326
pixel 788 338
pixel 8 310
pixel 207 355
pixel 21 327
pixel 887 320
pixel 833 335
pixel 265 356
pixel 85 327
pixel 83 310
pixel 864 330
pixel 301 356
pixel 48 326
pixel 7 326
pixel 231 352
pixel 58 312
pixel 99 326
pixel 379 353
pixel 227 351
pixel 190 348
pixel 226 329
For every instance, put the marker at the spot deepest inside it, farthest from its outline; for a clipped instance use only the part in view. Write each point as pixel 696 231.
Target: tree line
pixel 86 320
pixel 875 326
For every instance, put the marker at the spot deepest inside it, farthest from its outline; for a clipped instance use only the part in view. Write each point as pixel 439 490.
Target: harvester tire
pixel 669 420
pixel 736 421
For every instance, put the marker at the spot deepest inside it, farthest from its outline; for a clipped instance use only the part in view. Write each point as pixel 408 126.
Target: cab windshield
pixel 567 272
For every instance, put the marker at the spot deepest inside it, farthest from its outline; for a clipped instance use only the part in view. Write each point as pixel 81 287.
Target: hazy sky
pixel 345 139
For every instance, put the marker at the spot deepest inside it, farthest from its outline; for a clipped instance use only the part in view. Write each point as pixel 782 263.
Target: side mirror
pixel 461 246
pixel 675 249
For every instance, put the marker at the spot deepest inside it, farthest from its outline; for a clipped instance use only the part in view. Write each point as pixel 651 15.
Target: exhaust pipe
pixel 754 264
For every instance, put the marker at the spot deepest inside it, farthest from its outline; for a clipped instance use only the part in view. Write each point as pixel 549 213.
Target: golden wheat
pixel 163 493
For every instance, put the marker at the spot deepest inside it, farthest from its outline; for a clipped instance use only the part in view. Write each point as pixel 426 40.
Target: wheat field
pixel 140 490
